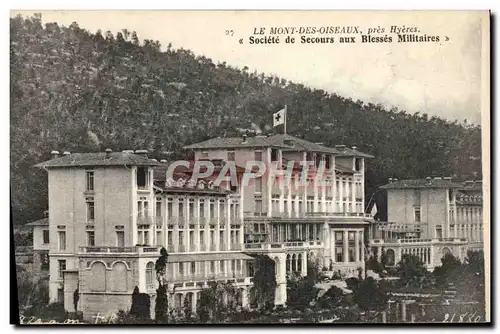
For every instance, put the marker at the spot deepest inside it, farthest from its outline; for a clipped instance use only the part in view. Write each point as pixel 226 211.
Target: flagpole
pixel 285 120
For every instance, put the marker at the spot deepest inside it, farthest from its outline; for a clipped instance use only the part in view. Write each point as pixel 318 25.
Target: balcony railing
pixel 283 245
pixel 135 249
pixel 277 214
pixel 417 240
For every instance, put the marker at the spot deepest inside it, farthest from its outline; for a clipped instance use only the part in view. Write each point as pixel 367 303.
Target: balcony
pixel 305 215
pixel 284 245
pixel 127 250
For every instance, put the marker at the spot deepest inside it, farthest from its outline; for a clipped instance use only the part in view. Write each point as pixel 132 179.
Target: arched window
pixel 150 275
pixel 118 279
pixel 299 263
pixel 97 277
pixel 288 264
pixel 294 263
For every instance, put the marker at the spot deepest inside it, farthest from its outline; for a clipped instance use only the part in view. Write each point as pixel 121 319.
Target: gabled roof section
pixel 235 142
pixel 422 183
pixel 98 159
pixel 283 141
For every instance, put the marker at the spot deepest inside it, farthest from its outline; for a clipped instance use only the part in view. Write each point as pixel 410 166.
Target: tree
pixel 449 271
pixel 412 272
pixel 369 295
pixel 301 292
pixel 264 286
pixel 332 298
pixel 161 306
pixel 216 302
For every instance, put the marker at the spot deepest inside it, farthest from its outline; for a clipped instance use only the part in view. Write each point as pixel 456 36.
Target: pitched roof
pixel 235 142
pixel 421 183
pixel 283 141
pixel 40 222
pixel 98 159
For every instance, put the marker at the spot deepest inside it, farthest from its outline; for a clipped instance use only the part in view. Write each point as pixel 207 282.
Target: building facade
pixel 429 218
pixel 307 204
pixel 108 219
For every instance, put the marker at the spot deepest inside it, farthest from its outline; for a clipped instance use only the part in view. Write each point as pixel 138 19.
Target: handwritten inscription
pixel 464 317
pixel 38 321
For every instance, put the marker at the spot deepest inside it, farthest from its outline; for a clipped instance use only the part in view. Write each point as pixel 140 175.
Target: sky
pixel 441 79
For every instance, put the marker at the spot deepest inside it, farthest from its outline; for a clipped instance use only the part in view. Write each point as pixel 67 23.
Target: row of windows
pixel 143 176
pixel 340 243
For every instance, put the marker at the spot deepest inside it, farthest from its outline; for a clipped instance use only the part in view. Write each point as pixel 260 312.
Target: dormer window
pixel 201 184
pixel 191 183
pixel 142 178
pixel 211 185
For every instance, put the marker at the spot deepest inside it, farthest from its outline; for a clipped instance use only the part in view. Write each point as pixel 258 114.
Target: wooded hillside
pixel 76 91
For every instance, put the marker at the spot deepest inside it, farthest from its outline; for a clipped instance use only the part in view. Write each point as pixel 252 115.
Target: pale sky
pixel 442 79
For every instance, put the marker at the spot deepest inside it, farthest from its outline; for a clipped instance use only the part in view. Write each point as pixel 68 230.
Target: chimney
pixel 143 153
pixel 354 148
pixel 66 153
pixel 108 153
pixel 54 154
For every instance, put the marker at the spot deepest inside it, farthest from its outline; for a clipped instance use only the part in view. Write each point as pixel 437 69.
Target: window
pixel 181 209
pixel 417 214
pixel 90 238
pixel 439 232
pixel 351 246
pixel 222 267
pixel 159 241
pixel 44 261
pixel 45 236
pixel 191 208
pixel 181 269
pixel 274 155
pixel 142 178
pixel 258 206
pixel 61 267
pixel 258 184
pixel 62 240
pixel 204 154
pixel 230 156
pixel 149 275
pixel 328 160
pixel 120 238
pixel 258 155
pixel 170 208
pixel 212 209
pixel 193 268
pixel 339 254
pixel 339 246
pixel 90 180
pixel 202 209
pixel 357 164
pixel 212 267
pixel 416 197
pixel 158 209
pixel 90 209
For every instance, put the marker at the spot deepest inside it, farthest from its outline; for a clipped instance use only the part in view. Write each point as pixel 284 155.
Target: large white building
pixel 111 212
